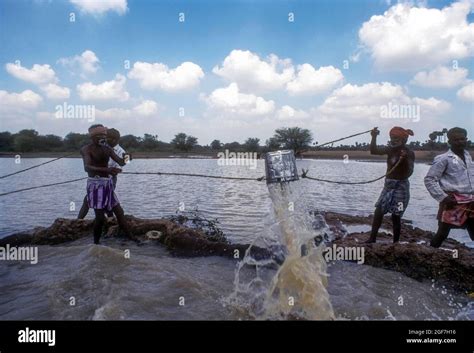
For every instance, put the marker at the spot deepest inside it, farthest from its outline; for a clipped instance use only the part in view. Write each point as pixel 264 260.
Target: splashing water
pixel 291 284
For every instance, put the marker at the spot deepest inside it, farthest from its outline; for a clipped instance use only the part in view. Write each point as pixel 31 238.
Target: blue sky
pixel 250 69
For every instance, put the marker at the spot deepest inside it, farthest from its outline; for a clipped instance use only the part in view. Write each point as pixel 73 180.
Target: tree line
pixel 293 138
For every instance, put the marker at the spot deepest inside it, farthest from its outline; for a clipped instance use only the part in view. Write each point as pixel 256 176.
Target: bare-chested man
pixel 100 190
pixel 396 191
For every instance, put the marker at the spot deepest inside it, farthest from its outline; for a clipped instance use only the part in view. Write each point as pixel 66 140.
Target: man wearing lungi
pixel 396 191
pixel 450 181
pixel 100 189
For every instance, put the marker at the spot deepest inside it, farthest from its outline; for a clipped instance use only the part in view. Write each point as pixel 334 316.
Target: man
pixel 396 192
pixel 113 137
pixel 100 192
pixel 450 181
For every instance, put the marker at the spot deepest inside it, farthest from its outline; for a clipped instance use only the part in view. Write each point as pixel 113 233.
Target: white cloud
pixel 353 102
pixel 466 93
pixel 231 101
pixel 146 108
pixel 19 101
pixel 38 74
pixel 311 81
pixel 289 114
pixel 108 90
pixel 99 7
pixel 41 75
pixel 53 91
pixel 87 62
pixel 441 77
pixel 406 37
pixel 17 109
pixel 159 76
pixel 254 74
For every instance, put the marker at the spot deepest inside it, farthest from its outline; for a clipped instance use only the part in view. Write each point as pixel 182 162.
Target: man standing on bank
pixel 396 191
pixel 100 189
pixel 450 181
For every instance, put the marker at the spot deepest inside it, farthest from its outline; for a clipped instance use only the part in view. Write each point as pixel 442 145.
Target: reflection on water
pixel 151 284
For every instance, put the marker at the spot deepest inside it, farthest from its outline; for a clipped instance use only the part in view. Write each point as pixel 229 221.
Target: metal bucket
pixel 280 166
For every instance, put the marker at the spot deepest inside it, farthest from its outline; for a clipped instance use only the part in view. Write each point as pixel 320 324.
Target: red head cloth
pixel 400 132
pixel 98 130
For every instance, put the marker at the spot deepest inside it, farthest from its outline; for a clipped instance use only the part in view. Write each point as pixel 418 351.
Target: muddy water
pixel 103 284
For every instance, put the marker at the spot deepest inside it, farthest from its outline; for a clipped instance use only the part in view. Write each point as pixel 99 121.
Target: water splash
pixel 292 283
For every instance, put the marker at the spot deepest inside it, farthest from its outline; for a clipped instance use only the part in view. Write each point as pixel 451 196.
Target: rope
pixel 36 166
pixel 305 172
pixel 344 138
pixel 195 175
pixel 303 175
pixel 42 186
pixel 136 173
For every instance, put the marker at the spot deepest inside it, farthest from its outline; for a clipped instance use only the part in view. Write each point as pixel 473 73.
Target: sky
pixel 231 70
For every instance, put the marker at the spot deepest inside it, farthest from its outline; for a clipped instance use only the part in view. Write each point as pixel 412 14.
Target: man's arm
pixel 116 158
pixel 373 143
pixel 411 162
pixel 432 179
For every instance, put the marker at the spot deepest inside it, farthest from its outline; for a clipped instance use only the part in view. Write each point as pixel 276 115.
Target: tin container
pixel 280 166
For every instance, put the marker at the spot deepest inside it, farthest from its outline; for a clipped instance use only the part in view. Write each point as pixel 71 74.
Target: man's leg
pixel 376 223
pixel 98 224
pixel 470 227
pixel 114 182
pixel 120 214
pixel 84 209
pixel 441 234
pixel 397 226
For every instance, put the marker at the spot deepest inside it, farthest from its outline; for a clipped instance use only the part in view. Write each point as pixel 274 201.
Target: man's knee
pixel 118 210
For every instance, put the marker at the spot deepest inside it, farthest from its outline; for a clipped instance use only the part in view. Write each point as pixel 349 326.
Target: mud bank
pixel 178 239
pixel 452 264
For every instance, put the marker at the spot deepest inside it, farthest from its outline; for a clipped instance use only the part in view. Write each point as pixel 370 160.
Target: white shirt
pixel 119 151
pixel 449 174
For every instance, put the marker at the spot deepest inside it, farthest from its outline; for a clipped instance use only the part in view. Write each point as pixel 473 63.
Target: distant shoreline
pixel 421 156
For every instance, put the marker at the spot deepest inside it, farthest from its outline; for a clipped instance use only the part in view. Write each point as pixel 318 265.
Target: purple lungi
pixel 100 193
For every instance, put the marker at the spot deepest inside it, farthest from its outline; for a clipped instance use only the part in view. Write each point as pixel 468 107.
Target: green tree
pixel 49 142
pixel 216 145
pixel 26 140
pixel 272 144
pixel 6 141
pixel 150 142
pixel 129 142
pixel 233 146
pixel 74 141
pixel 252 144
pixel 184 142
pixel 293 138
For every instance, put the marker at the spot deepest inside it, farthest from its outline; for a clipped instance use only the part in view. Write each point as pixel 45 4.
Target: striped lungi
pixel 394 196
pixel 100 193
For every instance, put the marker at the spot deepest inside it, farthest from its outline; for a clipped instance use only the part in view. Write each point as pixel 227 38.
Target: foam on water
pixel 292 284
